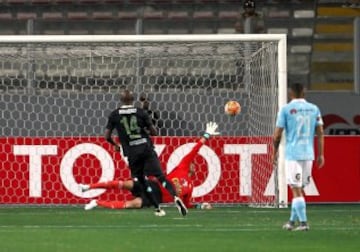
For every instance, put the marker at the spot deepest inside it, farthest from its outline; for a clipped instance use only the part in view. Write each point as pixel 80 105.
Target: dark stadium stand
pixel 315 47
pixel 333 52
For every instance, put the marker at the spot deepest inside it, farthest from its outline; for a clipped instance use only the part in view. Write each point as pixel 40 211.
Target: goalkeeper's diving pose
pixel 180 177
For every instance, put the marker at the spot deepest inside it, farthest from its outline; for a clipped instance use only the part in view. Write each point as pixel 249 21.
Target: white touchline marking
pixel 155 227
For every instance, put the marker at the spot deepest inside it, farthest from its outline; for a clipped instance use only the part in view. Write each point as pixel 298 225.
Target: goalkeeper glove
pixel 211 128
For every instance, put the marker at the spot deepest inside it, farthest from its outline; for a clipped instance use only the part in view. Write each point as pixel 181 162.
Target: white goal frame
pixel 281 40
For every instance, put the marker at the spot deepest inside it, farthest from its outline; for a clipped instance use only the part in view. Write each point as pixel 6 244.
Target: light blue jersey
pixel 299 119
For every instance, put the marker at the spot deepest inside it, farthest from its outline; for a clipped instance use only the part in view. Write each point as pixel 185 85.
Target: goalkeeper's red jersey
pixel 181 180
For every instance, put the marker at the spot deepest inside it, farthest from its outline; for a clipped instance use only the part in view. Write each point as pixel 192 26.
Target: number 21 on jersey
pixel 303 126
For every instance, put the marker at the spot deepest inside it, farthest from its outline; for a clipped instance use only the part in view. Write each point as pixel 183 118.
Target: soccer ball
pixel 232 108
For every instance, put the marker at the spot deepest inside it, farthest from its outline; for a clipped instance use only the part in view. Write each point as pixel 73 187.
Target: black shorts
pixel 138 191
pixel 143 161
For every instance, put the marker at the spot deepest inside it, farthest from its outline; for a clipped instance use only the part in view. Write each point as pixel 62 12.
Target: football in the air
pixel 232 108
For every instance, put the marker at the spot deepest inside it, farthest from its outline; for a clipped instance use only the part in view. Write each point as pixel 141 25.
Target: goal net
pixel 57 91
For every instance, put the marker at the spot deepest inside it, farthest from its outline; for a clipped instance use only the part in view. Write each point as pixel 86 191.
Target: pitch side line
pixel 195 228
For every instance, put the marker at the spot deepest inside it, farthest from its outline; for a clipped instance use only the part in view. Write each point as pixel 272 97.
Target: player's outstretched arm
pixel 210 130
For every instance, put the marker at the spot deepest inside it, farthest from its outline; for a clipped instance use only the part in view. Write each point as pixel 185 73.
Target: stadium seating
pixel 332 56
pixel 315 46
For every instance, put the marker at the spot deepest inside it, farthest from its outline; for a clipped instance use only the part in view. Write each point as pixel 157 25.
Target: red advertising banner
pixel 339 179
pixel 229 170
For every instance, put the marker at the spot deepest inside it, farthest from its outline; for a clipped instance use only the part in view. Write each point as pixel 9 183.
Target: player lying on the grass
pixel 180 177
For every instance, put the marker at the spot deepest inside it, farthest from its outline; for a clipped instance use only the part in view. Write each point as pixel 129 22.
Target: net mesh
pixel 61 93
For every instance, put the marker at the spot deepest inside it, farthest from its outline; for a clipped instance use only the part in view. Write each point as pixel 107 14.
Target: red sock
pixel 112 204
pixel 109 184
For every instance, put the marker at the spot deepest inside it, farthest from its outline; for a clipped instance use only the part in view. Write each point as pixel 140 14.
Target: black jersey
pixel 131 124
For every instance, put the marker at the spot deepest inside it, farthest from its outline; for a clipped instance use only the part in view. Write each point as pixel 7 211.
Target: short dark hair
pixel 249 4
pixel 126 97
pixel 297 88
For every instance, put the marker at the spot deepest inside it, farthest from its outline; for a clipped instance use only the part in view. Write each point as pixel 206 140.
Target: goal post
pixel 57 91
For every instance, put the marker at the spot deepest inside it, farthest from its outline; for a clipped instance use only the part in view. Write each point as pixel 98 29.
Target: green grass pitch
pixel 332 228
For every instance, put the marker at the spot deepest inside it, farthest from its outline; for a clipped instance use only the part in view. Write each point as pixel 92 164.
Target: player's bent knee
pixel 135 203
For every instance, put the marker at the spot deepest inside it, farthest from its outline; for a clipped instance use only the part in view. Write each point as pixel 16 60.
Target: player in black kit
pixel 134 127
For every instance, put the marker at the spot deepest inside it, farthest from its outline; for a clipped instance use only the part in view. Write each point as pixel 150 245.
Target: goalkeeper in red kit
pixel 180 177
